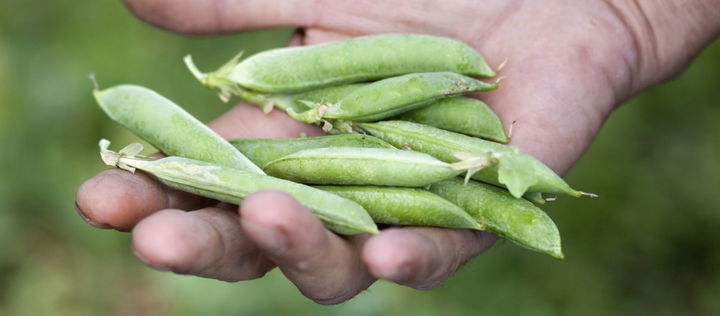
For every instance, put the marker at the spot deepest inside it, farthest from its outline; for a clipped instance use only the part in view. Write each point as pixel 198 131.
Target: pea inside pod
pixel 518 220
pixel 460 114
pixel 263 150
pixel 364 166
pixel 232 185
pixel 358 59
pixel 299 102
pixel 516 171
pixel 391 96
pixel 406 206
pixel 168 127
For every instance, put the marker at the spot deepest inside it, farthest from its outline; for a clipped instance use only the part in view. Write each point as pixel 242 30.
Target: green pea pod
pixel 391 96
pixel 515 219
pixel 232 185
pixel 406 206
pixel 168 127
pixel 516 171
pixel 366 58
pixel 263 150
pixel 460 114
pixel 363 166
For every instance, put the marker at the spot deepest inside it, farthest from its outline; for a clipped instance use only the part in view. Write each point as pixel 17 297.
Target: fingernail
pixel 272 240
pixel 88 220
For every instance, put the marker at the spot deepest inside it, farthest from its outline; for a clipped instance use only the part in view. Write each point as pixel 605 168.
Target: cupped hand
pixel 568 65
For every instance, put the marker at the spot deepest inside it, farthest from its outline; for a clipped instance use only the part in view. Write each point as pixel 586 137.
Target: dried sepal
pixel 114 159
pixel 472 162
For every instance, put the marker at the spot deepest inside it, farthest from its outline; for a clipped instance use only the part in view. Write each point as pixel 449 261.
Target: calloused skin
pixel 569 64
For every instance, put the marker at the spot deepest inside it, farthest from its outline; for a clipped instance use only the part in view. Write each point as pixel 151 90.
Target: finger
pixel 219 16
pixel 422 257
pixel 208 243
pixel 248 121
pixel 119 199
pixel 325 267
pixel 348 17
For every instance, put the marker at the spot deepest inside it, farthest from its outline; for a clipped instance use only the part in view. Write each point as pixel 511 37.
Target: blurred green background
pixel 650 244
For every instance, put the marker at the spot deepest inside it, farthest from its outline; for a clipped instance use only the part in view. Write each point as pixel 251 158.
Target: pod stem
pixel 116 159
pixel 217 79
pixel 199 75
pixel 311 116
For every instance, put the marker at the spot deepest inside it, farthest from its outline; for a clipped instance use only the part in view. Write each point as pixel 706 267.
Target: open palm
pixel 569 64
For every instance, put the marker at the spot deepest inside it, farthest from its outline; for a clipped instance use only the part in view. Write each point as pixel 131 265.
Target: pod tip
pixel 96 86
pixel 588 194
pixel 503 64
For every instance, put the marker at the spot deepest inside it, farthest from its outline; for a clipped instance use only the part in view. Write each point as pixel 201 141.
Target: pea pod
pixel 232 185
pixel 516 171
pixel 460 114
pixel 168 127
pixel 362 166
pixel 406 206
pixel 358 59
pixel 391 96
pixel 515 219
pixel 263 150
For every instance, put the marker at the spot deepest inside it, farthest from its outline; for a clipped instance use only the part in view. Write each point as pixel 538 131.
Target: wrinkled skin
pixel 569 64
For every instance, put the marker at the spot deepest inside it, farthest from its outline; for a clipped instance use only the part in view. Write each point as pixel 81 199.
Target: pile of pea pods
pixel 405 147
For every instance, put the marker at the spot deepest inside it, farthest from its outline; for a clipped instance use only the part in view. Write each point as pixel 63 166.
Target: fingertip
pixel 174 240
pixel 274 208
pixel 118 199
pixel 394 255
pixel 277 222
pixel 325 267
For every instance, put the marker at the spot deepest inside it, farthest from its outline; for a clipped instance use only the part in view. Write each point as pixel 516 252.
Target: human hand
pixel 569 66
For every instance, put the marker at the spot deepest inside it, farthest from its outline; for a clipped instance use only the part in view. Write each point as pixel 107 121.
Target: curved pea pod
pixel 361 166
pixel 263 150
pixel 232 185
pixel 358 59
pixel 406 206
pixel 516 171
pixel 168 127
pixel 515 219
pixel 460 114
pixel 391 96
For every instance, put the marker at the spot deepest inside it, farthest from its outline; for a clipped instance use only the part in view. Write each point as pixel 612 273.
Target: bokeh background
pixel 650 244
